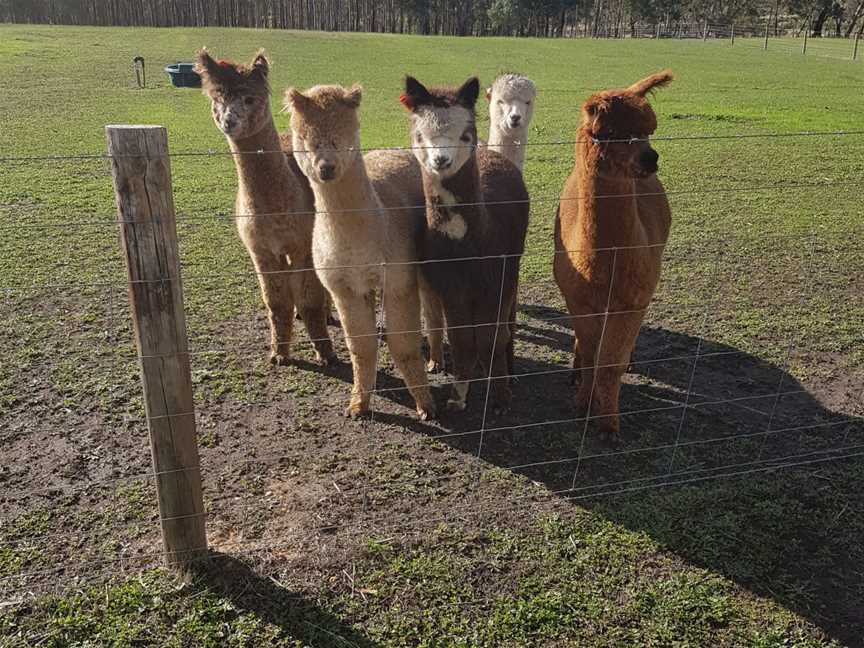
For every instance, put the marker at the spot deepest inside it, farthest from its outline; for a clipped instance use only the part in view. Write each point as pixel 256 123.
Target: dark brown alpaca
pixel 612 223
pixel 275 205
pixel 478 296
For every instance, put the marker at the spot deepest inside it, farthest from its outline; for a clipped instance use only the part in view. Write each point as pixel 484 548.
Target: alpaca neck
pixel 510 143
pixel 453 204
pixel 257 172
pixel 348 201
pixel 606 215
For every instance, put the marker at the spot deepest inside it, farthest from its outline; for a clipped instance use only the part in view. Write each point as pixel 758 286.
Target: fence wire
pixel 576 482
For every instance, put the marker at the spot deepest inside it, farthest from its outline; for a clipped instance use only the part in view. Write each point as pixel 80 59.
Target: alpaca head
pixel 443 131
pixel 325 127
pixel 617 124
pixel 511 102
pixel 239 93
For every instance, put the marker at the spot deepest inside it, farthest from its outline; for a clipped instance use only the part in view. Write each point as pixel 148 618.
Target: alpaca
pixel 275 205
pixel 364 238
pixel 511 107
pixel 612 223
pixel 478 296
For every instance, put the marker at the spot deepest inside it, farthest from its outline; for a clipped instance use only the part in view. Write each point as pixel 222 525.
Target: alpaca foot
pixel 610 437
pixel 325 355
pixel 501 398
pixel 459 400
pixel 427 412
pixel 280 359
pixel 434 366
pixel 357 410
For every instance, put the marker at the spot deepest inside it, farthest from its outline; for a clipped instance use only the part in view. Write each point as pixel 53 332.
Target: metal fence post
pixel 855 47
pixel 806 32
pixel 767 27
pixel 145 207
pixel 733 35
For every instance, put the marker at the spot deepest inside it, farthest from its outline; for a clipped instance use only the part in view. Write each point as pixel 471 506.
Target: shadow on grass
pixel 296 615
pixel 695 411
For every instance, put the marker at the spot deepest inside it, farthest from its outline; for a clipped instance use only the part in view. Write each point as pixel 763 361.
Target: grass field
pixel 328 532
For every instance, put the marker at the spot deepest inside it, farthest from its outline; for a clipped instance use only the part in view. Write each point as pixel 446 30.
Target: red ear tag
pixel 406 101
pixel 224 64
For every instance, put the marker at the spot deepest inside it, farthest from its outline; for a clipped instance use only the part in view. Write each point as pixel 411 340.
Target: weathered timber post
pixel 145 208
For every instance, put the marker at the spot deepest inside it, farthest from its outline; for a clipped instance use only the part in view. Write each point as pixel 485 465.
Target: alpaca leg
pixel 613 359
pixel 313 305
pixel 433 316
pixel 588 331
pixel 405 340
pixel 463 348
pixel 279 300
pixel 357 313
pixel 492 352
pixel 511 346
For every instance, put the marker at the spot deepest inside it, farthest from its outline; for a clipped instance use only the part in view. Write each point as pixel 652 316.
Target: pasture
pixel 393 532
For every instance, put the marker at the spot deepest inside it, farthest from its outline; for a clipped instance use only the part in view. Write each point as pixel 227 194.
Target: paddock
pixel 731 511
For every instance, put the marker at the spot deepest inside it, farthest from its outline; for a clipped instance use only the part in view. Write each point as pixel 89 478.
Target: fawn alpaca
pixel 365 236
pixel 275 205
pixel 612 199
pixel 511 107
pixel 478 296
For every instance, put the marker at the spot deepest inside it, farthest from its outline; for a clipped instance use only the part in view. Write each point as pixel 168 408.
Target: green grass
pixel 716 564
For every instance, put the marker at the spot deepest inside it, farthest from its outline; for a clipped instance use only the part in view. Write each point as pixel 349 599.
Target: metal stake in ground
pixel 145 208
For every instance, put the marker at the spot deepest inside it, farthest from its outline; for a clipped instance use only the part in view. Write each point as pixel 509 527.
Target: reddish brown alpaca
pixel 275 205
pixel 612 223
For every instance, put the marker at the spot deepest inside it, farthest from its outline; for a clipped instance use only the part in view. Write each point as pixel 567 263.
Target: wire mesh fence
pixel 726 381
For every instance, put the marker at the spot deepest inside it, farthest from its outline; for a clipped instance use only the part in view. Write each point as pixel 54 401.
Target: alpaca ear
pixel 295 100
pixel 469 91
pixel 488 94
pixel 592 109
pixel 648 84
pixel 261 65
pixel 353 95
pixel 415 94
pixel 204 63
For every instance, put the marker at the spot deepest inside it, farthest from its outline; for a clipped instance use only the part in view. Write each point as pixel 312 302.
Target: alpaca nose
pixel 327 171
pixel 515 119
pixel 441 161
pixel 230 123
pixel 649 160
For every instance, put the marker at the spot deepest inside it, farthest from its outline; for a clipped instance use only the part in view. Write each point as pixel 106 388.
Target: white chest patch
pixel 454 226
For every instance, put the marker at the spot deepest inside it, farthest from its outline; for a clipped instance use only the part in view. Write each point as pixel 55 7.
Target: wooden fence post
pixel 145 208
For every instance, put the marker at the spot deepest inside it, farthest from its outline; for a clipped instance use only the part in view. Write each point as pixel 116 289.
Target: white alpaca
pixel 364 239
pixel 511 106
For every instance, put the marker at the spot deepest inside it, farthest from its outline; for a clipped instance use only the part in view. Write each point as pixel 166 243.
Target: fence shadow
pixel 781 537
pixel 297 616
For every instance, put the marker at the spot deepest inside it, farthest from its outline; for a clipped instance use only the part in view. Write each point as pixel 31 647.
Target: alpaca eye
pixel 527 103
pixel 465 138
pixel 249 101
pixel 500 102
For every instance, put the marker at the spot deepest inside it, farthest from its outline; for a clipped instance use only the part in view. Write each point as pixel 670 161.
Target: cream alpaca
pixel 511 107
pixel 364 236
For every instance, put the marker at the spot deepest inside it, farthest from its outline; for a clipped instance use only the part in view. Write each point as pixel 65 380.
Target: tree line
pixel 537 18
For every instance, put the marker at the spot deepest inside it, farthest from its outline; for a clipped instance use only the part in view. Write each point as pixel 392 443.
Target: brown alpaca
pixel 458 181
pixel 275 205
pixel 612 223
